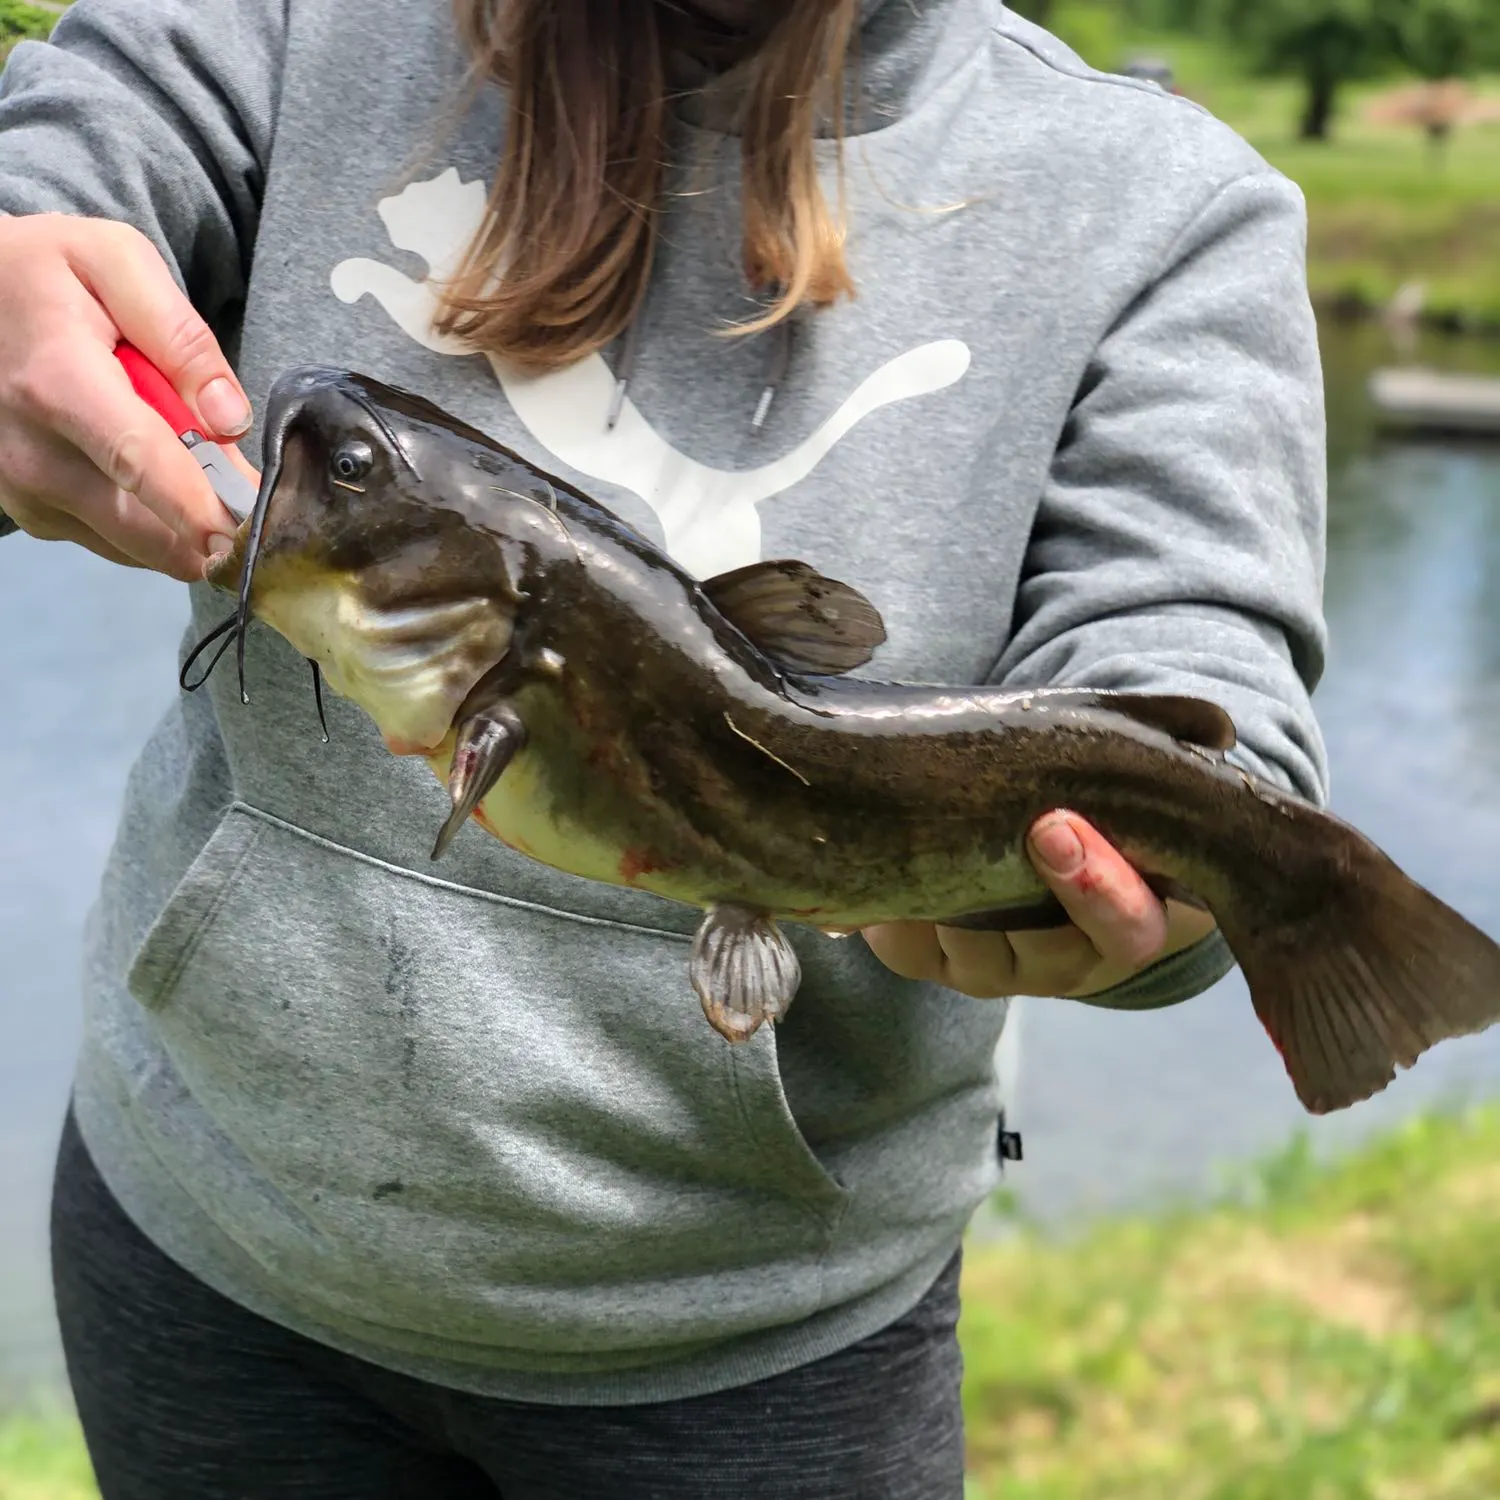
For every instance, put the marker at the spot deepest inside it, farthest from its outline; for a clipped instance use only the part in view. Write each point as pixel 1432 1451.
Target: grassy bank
pixel 1332 1335
pixel 1327 1333
pixel 20 20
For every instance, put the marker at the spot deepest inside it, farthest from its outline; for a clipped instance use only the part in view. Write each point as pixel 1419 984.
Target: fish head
pixel 377 549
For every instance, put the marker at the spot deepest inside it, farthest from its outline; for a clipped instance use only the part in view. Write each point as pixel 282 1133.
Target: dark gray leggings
pixel 185 1395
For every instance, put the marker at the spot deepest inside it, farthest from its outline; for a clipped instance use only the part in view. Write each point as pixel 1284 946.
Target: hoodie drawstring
pixel 778 362
pixel 626 368
pixel 781 337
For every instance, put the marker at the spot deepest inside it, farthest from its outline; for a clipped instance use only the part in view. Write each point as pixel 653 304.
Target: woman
pixel 382 1184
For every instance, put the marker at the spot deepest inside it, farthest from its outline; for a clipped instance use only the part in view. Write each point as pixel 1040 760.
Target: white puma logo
pixel 708 516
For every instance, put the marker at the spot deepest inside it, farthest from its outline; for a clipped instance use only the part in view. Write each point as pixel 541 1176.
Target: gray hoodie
pixel 467 1120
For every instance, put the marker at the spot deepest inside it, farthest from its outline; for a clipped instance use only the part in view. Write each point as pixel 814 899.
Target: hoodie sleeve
pixel 1179 545
pixel 157 113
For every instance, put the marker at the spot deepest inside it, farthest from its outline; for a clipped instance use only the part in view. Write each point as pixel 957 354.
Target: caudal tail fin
pixel 1375 973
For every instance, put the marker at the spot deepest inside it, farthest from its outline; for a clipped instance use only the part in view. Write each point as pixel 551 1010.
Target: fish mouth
pixel 357 573
pixel 288 398
pixel 224 569
pixel 408 665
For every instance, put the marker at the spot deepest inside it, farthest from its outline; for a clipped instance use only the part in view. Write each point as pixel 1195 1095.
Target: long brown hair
pixel 560 264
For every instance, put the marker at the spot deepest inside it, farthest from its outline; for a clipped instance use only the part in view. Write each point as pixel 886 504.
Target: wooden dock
pixel 1428 401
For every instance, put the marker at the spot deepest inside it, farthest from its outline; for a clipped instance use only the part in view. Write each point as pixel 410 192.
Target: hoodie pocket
pixel 421 1070
pixel 192 909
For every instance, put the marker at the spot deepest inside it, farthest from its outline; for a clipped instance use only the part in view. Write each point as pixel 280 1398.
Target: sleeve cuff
pixel 1171 981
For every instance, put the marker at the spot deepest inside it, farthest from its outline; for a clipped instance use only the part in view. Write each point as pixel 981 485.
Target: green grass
pixel 19 21
pixel 1333 1333
pixel 42 1458
pixel 1327 1331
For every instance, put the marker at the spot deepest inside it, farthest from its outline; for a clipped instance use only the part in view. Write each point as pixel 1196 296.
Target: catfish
pixel 593 705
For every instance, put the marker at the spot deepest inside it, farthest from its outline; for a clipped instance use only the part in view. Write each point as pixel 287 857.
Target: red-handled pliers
pixel 231 486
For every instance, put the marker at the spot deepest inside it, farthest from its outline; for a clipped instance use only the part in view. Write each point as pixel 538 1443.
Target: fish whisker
pixel 275 448
pixel 222 629
pixel 368 407
pixel 318 696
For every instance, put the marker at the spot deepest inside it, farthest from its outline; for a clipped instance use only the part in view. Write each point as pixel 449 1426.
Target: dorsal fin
pixel 1195 721
pixel 801 620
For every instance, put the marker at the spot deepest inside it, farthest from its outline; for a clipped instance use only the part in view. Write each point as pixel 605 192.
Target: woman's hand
pixel 82 457
pixel 1119 927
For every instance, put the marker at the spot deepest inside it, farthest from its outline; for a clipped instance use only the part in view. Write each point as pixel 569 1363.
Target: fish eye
pixel 352 460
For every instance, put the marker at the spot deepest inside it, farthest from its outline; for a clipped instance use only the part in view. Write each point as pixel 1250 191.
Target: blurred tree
pixel 20 21
pixel 1169 15
pixel 1325 43
pixel 1444 38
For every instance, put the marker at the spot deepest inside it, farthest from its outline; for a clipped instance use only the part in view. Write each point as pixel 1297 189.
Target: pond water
pixel 1115 1110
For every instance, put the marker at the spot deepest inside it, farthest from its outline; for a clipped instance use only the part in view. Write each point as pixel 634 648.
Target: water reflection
pixel 1352 350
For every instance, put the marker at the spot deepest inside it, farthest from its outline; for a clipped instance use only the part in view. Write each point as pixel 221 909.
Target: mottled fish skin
pixel 699 780
pixel 627 723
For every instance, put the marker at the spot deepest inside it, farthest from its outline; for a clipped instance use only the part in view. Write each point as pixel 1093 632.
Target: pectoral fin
pixel 743 969
pixel 486 744
pixel 803 621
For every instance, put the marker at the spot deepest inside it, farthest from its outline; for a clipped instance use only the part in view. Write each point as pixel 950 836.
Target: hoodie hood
pixel 897 56
pixel 905 51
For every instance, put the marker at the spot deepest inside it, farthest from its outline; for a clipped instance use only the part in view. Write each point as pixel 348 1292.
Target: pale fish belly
pixel 408 668
pixel 929 889
pixel 519 812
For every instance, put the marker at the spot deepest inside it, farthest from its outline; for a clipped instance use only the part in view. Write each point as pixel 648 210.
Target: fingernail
pixel 219 544
pixel 224 409
pixel 1057 846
